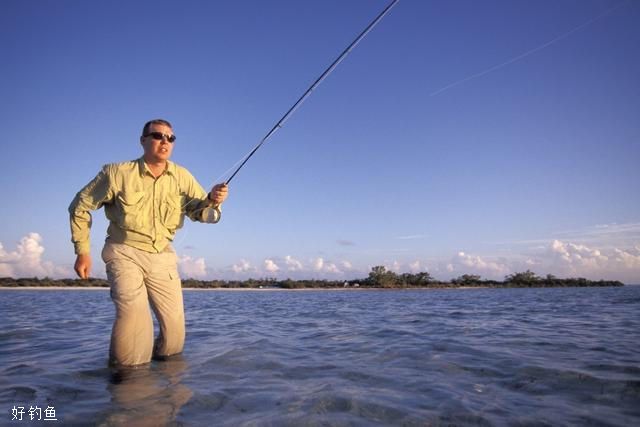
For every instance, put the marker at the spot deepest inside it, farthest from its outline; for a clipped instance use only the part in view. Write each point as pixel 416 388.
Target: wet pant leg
pixel 132 333
pixel 165 294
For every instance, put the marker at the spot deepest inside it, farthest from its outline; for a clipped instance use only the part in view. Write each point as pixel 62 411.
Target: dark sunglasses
pixel 159 136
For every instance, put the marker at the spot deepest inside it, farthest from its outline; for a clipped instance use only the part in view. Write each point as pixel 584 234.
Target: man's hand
pixel 83 266
pixel 218 194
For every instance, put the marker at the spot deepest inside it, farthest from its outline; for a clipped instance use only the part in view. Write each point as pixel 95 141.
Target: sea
pixel 449 357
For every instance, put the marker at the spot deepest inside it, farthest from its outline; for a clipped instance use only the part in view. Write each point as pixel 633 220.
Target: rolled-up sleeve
pixel 90 198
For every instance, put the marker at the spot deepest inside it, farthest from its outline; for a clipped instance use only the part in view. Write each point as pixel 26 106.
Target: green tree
pixel 467 279
pixel 527 278
pixel 418 279
pixel 379 276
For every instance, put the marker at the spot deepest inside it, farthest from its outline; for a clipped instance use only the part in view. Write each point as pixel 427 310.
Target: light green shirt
pixel 144 212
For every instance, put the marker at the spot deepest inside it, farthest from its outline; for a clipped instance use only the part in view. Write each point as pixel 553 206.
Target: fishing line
pixel 529 52
pixel 219 178
pixel 304 96
pixel 319 80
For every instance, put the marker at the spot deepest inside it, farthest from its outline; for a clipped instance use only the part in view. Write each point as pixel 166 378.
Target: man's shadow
pixel 148 395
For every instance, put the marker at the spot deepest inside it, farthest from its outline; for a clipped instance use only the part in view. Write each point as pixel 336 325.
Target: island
pixel 378 278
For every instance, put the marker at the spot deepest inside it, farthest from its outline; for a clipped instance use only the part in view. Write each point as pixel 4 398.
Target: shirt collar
pixel 143 168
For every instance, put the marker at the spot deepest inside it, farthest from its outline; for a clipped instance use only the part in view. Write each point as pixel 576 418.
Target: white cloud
pixel 192 267
pixel 566 258
pixel 463 263
pixel 557 257
pixel 603 236
pixel 627 260
pixel 579 257
pixel 412 237
pixel 415 267
pixel 332 268
pixel 242 267
pixel 291 267
pixel 5 267
pixel 320 266
pixel 26 260
pixel 395 267
pixel 318 263
pixel 292 263
pixel 271 266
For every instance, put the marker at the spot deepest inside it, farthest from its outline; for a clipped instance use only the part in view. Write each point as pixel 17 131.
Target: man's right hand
pixel 83 266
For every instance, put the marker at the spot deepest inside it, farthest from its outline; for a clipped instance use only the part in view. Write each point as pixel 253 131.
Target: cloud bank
pixel 192 268
pixel 26 260
pixel 589 256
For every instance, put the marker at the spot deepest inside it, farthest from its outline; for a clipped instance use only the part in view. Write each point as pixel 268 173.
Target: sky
pixel 459 137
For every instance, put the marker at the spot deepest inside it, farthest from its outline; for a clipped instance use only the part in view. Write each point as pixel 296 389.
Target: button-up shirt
pixel 144 211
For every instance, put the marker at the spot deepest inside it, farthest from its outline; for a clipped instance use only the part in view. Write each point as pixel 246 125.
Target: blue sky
pixel 530 162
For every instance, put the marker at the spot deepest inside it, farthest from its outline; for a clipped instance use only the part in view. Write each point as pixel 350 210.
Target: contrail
pixel 529 52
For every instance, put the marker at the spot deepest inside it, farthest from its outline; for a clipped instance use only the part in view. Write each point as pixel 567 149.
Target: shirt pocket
pixel 171 212
pixel 130 210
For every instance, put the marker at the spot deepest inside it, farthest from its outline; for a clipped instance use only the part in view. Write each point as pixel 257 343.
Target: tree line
pixel 379 277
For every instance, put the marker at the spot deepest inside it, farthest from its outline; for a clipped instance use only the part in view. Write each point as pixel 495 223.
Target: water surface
pixel 561 356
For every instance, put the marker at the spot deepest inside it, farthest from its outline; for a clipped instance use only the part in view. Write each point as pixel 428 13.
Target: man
pixel 145 201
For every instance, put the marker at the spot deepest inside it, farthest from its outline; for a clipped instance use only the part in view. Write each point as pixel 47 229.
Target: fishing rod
pixel 326 72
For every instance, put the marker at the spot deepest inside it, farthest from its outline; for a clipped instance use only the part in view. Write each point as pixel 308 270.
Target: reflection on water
pixel 414 358
pixel 149 395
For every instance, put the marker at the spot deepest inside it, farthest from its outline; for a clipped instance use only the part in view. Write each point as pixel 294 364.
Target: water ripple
pixel 414 358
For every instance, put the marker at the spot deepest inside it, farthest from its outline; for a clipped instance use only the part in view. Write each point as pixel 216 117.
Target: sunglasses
pixel 160 136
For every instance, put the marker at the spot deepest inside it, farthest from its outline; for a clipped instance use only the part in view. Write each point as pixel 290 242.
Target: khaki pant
pixel 137 279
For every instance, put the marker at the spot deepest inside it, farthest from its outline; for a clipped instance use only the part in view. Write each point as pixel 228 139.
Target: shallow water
pixel 562 356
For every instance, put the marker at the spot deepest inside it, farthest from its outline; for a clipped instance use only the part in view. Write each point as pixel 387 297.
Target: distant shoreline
pixel 55 288
pixel 352 289
pixel 379 278
pixel 99 288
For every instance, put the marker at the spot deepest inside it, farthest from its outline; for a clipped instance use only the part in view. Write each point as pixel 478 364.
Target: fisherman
pixel 145 201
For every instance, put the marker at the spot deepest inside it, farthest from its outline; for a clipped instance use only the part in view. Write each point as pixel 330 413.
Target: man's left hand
pixel 219 194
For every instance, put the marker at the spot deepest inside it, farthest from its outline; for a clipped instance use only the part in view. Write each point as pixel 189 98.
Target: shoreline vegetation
pixel 379 278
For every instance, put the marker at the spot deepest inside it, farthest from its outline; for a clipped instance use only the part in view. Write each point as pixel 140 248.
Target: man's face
pixel 156 147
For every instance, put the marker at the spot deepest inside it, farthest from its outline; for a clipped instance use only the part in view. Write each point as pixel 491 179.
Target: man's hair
pixel 147 125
